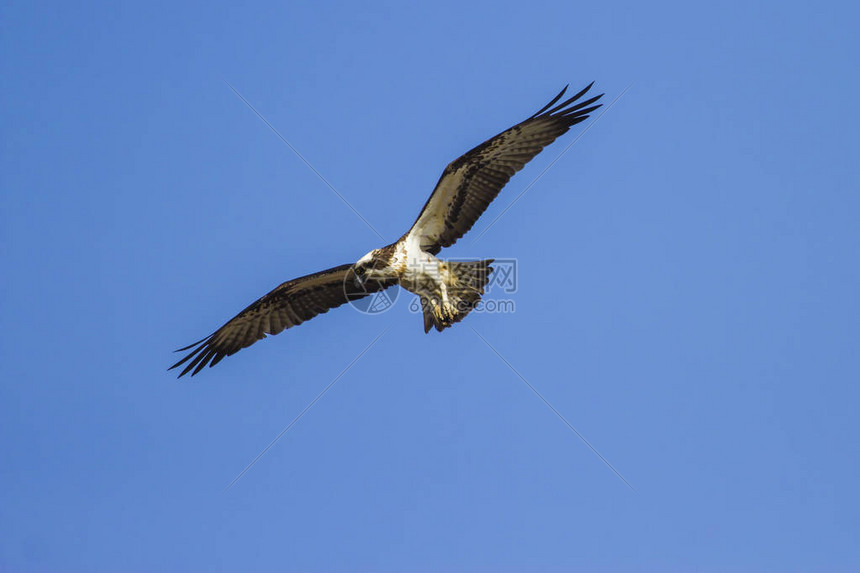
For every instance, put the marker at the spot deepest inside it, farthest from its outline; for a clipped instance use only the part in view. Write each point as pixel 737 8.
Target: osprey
pixel 448 290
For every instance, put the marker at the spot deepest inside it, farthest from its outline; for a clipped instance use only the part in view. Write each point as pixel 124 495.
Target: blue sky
pixel 687 293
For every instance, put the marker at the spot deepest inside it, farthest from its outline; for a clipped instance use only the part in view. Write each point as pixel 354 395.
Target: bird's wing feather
pixel 288 305
pixel 469 184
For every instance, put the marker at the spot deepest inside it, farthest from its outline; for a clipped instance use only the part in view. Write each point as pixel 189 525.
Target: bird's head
pixel 365 268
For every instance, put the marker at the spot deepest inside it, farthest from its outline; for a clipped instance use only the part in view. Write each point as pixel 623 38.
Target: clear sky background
pixel 688 289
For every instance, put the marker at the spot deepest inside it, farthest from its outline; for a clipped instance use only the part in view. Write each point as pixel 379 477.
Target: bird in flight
pixel 448 290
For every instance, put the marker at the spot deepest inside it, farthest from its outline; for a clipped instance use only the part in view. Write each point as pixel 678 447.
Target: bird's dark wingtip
pixel 198 352
pixel 563 107
pixel 192 345
pixel 551 103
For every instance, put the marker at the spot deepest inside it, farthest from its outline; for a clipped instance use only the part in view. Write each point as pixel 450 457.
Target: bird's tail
pixel 465 285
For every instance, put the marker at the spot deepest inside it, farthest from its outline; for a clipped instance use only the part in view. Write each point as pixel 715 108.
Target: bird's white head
pixel 366 259
pixel 364 267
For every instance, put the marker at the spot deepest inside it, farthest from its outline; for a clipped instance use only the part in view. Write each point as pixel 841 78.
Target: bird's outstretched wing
pixel 288 305
pixel 469 184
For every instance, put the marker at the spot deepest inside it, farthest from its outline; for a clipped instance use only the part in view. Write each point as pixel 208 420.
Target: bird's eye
pixel 360 271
